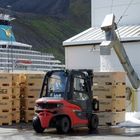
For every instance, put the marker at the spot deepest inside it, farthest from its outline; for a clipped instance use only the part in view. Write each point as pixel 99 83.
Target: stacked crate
pixel 16 80
pixel 109 88
pixel 30 91
pixel 5 99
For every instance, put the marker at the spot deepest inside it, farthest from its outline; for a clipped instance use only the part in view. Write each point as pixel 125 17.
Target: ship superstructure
pixel 19 56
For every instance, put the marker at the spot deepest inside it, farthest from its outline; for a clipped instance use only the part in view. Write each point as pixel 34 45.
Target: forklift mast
pixel 112 41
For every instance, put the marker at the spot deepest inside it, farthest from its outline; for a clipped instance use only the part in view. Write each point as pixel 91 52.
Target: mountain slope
pixel 46 32
pixel 45 7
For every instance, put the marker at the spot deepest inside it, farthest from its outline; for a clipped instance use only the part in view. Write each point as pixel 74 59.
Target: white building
pixel 82 51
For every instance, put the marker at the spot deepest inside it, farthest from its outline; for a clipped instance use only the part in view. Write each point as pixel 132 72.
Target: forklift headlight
pixel 59 105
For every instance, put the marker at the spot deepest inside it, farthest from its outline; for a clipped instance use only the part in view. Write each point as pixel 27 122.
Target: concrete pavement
pixel 25 132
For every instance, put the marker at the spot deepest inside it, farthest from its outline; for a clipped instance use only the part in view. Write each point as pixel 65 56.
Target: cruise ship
pixel 17 56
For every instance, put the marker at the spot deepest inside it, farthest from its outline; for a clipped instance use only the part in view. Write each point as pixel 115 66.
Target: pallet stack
pixel 5 99
pixel 109 88
pixel 18 93
pixel 30 91
pixel 16 80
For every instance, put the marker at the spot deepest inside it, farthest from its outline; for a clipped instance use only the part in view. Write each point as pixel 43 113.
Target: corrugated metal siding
pixel 96 35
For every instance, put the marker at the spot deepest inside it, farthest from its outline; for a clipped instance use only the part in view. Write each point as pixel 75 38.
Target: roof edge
pixel 98 42
pixel 74 41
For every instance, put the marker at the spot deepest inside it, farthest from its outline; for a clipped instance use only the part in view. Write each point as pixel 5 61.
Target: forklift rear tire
pixel 94 122
pixel 37 125
pixel 63 125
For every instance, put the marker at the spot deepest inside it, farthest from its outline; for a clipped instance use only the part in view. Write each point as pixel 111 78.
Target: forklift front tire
pixel 63 125
pixel 37 125
pixel 93 122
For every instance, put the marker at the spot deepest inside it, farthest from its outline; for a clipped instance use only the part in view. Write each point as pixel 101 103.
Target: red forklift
pixel 66 101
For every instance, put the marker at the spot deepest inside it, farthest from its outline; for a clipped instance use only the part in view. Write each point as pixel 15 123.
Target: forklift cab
pixel 74 86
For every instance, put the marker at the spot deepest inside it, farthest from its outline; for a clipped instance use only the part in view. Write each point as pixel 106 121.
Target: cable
pixel 111 6
pixel 125 11
pixel 122 17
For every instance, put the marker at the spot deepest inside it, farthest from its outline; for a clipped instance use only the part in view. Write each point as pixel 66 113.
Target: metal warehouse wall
pixel 88 57
pixel 81 57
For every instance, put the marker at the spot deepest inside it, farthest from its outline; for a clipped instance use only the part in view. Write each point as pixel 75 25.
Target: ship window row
pixel 33 62
pixel 33 66
pixel 4 48
pixel 22 50
pixel 25 57
pixel 43 62
pixel 31 52
pixel 27 66
pixel 25 52
pixel 15 47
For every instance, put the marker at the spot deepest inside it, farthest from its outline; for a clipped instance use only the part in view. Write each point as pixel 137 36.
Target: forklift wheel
pixel 37 125
pixel 63 125
pixel 94 122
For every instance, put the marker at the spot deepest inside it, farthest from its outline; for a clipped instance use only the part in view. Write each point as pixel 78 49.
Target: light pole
pixel 10 41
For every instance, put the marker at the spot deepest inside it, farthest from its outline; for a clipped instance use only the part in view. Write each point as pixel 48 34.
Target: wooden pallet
pixel 16 116
pixel 22 90
pixel 15 121
pixel 15 109
pixel 16 103
pixel 2 123
pixel 27 116
pixel 23 106
pixel 5 90
pixel 15 92
pixel 28 103
pixel 109 91
pixel 111 118
pixel 5 123
pixel 16 79
pixel 22 78
pixel 5 104
pixel 5 118
pixel 31 92
pixel 3 110
pixel 29 96
pixel 5 80
pixel 33 77
pixel 112 105
pixel 34 80
pixel 109 77
pixel 6 97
